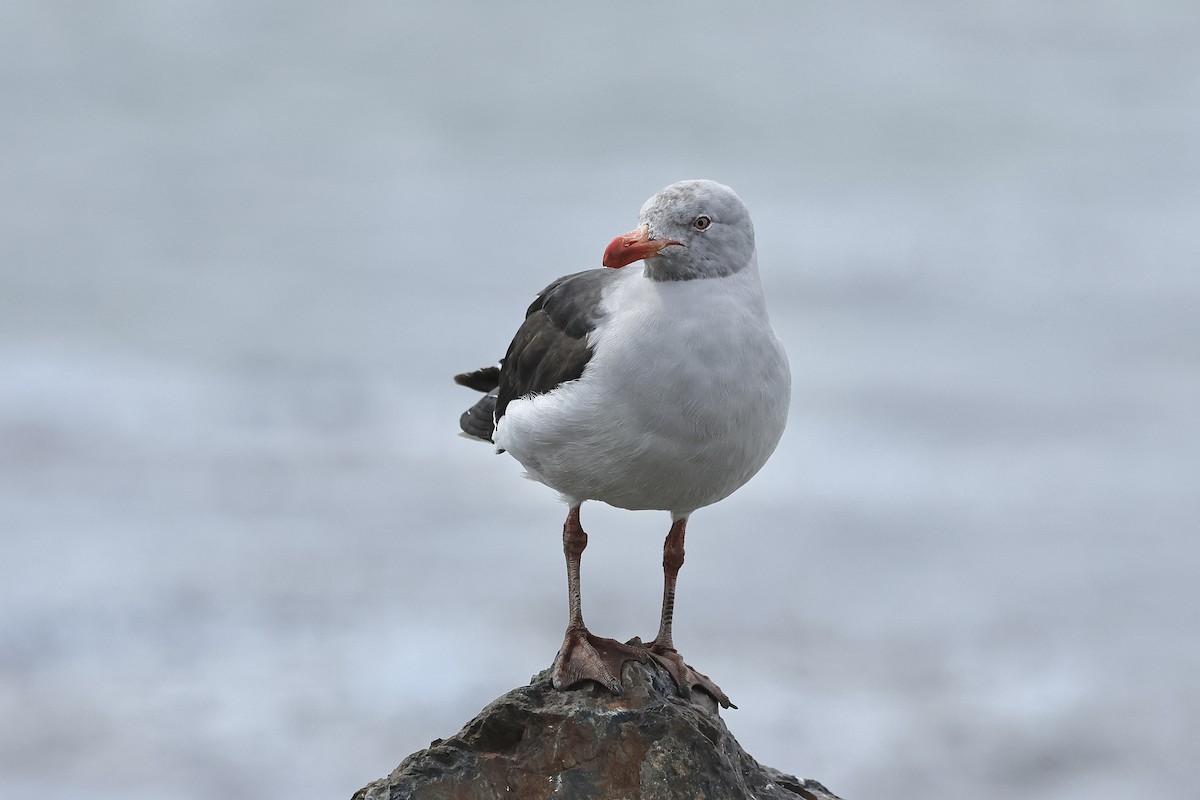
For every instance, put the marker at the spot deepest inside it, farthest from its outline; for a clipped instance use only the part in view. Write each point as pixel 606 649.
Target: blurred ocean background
pixel 243 553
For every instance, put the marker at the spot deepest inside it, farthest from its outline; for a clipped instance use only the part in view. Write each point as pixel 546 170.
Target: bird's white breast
pixel 684 399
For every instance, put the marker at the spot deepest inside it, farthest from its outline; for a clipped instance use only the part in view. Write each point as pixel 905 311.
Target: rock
pixel 648 743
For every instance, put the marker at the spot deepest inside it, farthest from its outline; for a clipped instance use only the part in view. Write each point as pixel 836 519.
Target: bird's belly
pixel 662 471
pixel 677 442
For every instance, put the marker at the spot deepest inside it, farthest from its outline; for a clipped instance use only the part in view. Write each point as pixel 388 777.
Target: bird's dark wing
pixel 480 419
pixel 551 346
pixel 481 380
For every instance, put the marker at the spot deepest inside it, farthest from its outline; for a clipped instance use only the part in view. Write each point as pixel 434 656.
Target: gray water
pixel 245 244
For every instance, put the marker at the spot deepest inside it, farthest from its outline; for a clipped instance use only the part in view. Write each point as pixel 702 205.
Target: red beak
pixel 633 246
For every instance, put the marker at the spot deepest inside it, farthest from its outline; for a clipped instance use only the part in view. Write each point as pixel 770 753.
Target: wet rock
pixel 648 743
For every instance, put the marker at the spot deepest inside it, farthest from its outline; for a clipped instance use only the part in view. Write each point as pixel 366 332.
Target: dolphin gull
pixel 660 388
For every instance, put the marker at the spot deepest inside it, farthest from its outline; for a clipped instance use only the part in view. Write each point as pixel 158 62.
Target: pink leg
pixel 584 657
pixel 663 647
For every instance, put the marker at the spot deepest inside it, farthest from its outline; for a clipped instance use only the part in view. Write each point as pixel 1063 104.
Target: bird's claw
pixel 684 676
pixel 584 657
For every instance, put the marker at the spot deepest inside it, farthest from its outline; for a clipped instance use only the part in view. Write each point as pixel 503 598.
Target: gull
pixel 660 388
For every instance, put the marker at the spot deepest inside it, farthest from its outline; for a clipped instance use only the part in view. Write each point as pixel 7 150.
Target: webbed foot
pixel 684 676
pixel 584 657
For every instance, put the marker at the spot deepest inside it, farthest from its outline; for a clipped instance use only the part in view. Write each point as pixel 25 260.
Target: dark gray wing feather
pixel 550 348
pixel 481 380
pixel 480 419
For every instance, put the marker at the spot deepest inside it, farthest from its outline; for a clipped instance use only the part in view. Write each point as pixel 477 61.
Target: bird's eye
pixel 701 222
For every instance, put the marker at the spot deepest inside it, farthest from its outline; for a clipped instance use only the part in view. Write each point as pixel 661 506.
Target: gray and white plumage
pixel 662 387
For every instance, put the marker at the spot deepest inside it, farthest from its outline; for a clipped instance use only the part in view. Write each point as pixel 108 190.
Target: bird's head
pixel 690 229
